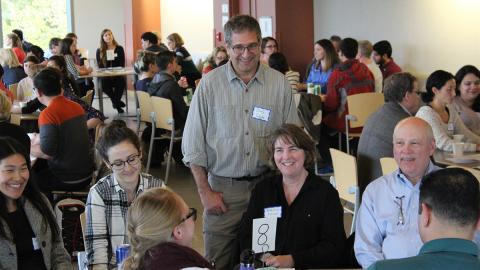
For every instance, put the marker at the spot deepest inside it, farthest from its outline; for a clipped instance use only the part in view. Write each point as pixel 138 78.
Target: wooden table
pixel 471 160
pixel 106 72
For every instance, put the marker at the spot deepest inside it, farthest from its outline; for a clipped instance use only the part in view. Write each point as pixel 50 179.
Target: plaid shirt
pixel 106 214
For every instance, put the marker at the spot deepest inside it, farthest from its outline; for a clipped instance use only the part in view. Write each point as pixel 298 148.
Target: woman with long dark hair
pixel 110 55
pixel 68 48
pixel 467 101
pixel 29 236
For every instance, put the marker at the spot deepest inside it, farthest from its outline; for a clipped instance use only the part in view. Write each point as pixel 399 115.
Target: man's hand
pixel 282 261
pixel 212 202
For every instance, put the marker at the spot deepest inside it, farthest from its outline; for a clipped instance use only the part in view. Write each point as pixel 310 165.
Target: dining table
pixel 106 72
pixel 468 159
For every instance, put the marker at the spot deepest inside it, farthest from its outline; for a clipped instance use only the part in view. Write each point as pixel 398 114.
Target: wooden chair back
pixel 163 113
pixel 362 106
pixel 388 164
pixel 345 174
pixel 145 104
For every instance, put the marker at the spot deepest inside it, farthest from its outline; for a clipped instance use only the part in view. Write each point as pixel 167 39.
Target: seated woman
pixel 467 102
pixel 29 236
pixel 189 70
pixel 13 71
pixel 10 130
pixel 218 57
pixel 278 61
pixel 109 199
pixel 310 231
pixel 13 41
pixel 68 48
pixel 160 230
pixel 25 86
pixel 442 117
pixel 269 46
pixel 145 68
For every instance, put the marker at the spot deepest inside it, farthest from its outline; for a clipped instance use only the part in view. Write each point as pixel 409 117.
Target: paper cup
pixel 458 149
pixel 458 137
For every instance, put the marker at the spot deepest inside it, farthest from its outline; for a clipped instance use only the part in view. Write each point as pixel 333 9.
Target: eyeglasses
pixel 239 49
pixel 132 160
pixel 271 46
pixel 191 213
pixel 401 217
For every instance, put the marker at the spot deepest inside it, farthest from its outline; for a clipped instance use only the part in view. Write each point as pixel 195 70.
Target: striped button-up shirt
pixel 106 213
pixel 229 122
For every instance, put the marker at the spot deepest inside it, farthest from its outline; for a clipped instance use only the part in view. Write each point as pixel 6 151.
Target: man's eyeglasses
pixel 239 49
pixel 191 214
pixel 132 160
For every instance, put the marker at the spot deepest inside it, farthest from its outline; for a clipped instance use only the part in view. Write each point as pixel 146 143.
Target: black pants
pixel 114 88
pixel 47 181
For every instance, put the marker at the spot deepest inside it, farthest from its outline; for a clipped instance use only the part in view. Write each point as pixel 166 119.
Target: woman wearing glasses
pixel 109 199
pixel 166 244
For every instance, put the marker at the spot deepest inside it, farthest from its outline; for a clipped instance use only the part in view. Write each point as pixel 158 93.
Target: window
pixel 40 20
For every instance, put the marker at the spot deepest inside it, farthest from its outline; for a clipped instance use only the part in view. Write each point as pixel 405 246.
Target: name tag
pixel 275 211
pixel 35 244
pixel 261 114
pixel 451 127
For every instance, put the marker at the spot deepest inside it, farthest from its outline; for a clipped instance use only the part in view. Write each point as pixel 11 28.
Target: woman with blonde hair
pixel 109 55
pixel 13 71
pixel 184 59
pixel 13 41
pixel 160 229
pixel 218 57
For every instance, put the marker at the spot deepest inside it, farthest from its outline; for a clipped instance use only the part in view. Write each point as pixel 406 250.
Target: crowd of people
pixel 250 157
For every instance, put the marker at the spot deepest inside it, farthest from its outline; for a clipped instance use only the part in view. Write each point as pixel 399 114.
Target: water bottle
pixel 247 258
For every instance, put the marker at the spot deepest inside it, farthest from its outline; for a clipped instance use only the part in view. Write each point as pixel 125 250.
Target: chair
pixel 13 89
pixel 83 222
pixel 162 117
pixel 360 107
pixel 144 109
pixel 132 94
pixel 88 98
pixel 345 180
pixel 388 164
pixel 475 173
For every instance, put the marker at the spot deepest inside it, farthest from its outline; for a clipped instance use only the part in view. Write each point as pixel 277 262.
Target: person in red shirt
pixel 348 78
pixel 382 55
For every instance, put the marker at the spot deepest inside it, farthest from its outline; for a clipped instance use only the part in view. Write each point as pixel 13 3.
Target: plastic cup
pixel 458 149
pixel 458 137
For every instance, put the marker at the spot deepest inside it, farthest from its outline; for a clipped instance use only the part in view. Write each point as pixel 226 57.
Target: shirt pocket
pixel 263 129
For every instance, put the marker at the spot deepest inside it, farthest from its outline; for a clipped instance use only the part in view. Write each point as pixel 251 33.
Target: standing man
pixel 382 55
pixel 234 110
pixel 448 217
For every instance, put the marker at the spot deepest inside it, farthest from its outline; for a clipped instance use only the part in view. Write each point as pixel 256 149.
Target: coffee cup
pixel 458 137
pixel 458 149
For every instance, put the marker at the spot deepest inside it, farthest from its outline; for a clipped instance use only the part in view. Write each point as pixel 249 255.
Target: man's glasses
pixel 191 214
pixel 239 49
pixel 132 160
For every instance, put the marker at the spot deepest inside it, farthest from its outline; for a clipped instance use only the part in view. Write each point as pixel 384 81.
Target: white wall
pixel 426 35
pixel 193 20
pixel 90 17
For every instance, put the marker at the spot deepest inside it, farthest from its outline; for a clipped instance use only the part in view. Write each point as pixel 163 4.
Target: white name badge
pixel 110 55
pixel 275 212
pixel 261 114
pixel 451 127
pixel 35 244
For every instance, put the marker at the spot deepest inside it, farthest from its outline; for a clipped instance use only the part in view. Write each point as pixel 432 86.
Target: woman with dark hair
pixel 184 59
pixel 442 117
pixel 29 236
pixel 110 198
pixel 321 67
pixel 145 68
pixel 68 47
pixel 310 231
pixel 467 102
pixel 25 85
pixel 110 55
pixel 269 46
pixel 278 61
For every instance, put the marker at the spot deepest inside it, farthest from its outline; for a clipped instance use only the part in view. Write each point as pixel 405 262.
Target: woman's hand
pixel 282 261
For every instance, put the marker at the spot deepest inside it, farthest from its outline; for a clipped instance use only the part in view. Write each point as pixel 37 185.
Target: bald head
pixel 413 144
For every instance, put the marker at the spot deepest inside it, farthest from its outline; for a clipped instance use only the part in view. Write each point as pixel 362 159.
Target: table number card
pixel 263 234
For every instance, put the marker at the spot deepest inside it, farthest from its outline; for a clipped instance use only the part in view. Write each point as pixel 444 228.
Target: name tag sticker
pixel 261 114
pixel 275 212
pixel 110 55
pixel 451 127
pixel 35 244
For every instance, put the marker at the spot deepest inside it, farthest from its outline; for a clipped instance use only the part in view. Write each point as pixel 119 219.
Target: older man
pixel 446 223
pixel 235 108
pixel 387 220
pixel 403 100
